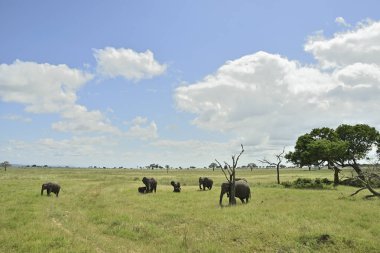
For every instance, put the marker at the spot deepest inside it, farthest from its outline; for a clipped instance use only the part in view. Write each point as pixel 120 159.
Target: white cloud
pixel 267 101
pixel 341 21
pixel 141 129
pixel 46 88
pixel 361 45
pixel 127 63
pixel 41 87
pixel 78 119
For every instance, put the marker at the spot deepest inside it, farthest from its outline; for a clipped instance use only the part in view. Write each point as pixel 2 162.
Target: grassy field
pixel 101 211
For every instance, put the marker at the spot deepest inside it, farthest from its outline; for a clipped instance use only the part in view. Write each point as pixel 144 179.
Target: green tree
pixel 252 166
pixel 213 166
pixel 342 147
pixel 5 164
pixel 361 139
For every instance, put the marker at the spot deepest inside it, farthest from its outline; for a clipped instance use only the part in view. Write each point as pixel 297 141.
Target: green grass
pixel 100 211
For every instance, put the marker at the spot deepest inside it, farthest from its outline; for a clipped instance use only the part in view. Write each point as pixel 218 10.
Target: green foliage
pixel 307 183
pixel 360 139
pixel 341 147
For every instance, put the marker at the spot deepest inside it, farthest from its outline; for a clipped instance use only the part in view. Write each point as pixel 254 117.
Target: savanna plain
pixel 100 210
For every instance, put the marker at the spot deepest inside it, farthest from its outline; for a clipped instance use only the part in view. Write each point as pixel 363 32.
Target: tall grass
pixel 101 211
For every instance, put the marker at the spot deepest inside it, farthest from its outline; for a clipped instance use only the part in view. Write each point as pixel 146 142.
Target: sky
pixel 181 83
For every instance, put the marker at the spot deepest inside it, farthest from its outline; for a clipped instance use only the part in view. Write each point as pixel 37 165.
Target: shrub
pixel 307 183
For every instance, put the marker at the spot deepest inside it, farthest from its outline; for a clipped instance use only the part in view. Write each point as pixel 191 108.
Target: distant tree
pixel 5 164
pixel 213 166
pixel 277 164
pixel 252 166
pixel 153 166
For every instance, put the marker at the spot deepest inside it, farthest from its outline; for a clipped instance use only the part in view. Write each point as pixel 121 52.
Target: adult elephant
pixel 50 187
pixel 150 184
pixel 205 182
pixel 242 190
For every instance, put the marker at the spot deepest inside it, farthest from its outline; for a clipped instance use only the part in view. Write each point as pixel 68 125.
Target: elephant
pixel 142 189
pixel 242 190
pixel 176 186
pixel 205 182
pixel 50 187
pixel 150 183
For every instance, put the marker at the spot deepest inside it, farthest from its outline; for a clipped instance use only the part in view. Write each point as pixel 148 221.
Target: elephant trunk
pixel 221 198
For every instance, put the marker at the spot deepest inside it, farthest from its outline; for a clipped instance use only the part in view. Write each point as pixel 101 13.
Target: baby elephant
pixel 50 187
pixel 142 189
pixel 176 186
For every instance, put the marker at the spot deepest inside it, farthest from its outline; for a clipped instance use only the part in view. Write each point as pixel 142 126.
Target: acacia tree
pixel 231 171
pixel 251 166
pixel 335 148
pixel 360 138
pixel 279 158
pixel 5 164
pixel 213 166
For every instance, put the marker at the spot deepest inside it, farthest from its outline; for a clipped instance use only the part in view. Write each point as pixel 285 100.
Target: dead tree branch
pixel 221 167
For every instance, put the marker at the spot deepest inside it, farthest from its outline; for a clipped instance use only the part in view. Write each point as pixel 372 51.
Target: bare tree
pixel 369 179
pixel 231 172
pixel 279 158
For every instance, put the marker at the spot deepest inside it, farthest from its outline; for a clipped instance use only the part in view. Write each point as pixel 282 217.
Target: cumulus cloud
pixel 41 87
pixel 266 100
pixel 360 45
pixel 47 88
pixel 127 63
pixel 78 119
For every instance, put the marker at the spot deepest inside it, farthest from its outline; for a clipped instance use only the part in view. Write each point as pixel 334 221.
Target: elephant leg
pixel 48 192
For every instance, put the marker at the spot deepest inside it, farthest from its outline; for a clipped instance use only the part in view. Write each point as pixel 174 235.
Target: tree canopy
pixel 342 147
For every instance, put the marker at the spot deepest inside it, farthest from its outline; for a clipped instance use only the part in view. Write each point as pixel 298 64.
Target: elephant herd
pixel 242 189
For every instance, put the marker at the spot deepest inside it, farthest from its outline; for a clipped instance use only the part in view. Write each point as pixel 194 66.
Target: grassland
pixel 100 211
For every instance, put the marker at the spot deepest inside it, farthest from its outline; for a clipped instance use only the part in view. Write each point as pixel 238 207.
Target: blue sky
pixel 129 83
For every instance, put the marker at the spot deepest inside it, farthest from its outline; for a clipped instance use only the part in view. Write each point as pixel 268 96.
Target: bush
pixel 307 183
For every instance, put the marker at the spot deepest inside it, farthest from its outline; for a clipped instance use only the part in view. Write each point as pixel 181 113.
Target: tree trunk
pixel 357 169
pixel 278 174
pixel 232 200
pixel 336 176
